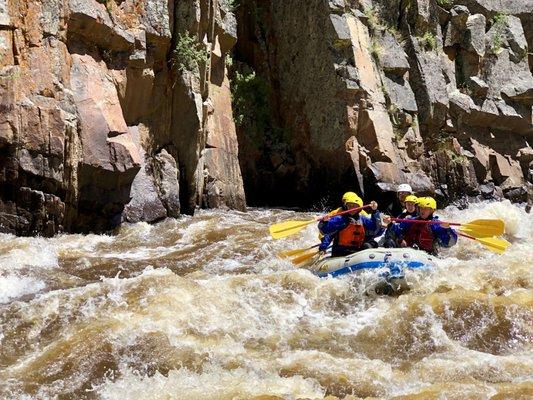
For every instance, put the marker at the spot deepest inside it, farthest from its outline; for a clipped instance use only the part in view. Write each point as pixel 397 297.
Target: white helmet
pixel 404 187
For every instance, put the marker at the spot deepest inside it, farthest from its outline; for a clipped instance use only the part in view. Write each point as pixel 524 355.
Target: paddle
pixel 479 228
pixel 290 253
pixel 288 228
pixel 493 244
pixel 303 258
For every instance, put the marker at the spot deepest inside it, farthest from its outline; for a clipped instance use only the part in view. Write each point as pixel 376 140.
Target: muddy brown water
pixel 201 308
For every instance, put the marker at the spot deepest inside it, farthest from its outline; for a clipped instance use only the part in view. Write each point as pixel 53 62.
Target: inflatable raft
pixel 394 259
pixel 391 263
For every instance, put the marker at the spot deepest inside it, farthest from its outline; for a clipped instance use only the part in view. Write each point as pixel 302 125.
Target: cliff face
pixel 113 111
pixel 124 110
pixel 438 94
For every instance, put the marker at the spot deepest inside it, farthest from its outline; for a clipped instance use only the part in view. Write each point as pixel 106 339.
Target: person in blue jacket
pixel 426 237
pixel 410 211
pixel 350 232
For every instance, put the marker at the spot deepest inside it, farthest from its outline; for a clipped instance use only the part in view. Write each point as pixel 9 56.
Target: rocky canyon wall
pixel 137 110
pixel 367 94
pixel 114 110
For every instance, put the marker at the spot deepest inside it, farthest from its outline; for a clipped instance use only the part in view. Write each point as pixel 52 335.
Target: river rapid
pixel 202 308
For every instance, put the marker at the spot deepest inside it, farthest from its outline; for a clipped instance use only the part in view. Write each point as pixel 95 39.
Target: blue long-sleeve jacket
pixel 331 228
pixel 444 237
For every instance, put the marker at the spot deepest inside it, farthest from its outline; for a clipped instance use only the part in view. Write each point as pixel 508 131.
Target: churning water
pixel 201 308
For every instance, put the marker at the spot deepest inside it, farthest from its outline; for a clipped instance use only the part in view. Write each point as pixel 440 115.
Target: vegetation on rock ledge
pixel 188 54
pixel 251 110
pixel 499 21
pixel 428 41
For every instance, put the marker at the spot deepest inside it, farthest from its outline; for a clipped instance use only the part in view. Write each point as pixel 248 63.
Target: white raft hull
pixel 394 259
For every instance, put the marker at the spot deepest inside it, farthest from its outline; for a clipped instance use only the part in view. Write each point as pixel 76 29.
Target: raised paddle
pixel 479 228
pixel 493 244
pixel 288 228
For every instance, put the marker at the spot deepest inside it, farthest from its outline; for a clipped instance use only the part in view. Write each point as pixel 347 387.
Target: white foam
pixel 29 252
pixel 12 287
pixel 213 383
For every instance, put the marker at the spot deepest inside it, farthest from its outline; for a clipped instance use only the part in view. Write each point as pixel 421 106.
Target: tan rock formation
pixel 91 105
pixel 449 118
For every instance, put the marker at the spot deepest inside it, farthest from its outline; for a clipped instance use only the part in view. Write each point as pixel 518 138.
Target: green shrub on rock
pixel 428 41
pixel 445 3
pixel 499 23
pixel 188 53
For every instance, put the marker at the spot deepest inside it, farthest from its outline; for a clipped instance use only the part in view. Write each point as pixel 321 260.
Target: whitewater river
pixel 201 308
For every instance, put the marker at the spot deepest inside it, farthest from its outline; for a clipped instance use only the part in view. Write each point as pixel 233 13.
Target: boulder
pixel 166 177
pixel 521 90
pixel 455 29
pixel 392 57
pixel 349 75
pixel 156 18
pixel 498 115
pixel 375 132
pixel 459 15
pixel 388 176
pixel 478 87
pixel 109 160
pixel 342 31
pixel 422 14
pixel 505 172
pixel 155 189
pixel 525 158
pixel 413 143
pixel 91 21
pixel 400 94
pixel 429 85
pixel 461 103
pixel 226 31
pixel 487 190
pixel 474 37
pixel 336 5
pixel 145 204
pixel 515 38
pixel 525 155
pixel 481 160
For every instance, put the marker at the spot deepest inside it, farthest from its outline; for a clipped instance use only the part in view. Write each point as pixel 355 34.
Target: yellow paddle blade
pixel 290 253
pixel 287 228
pixel 303 258
pixel 476 234
pixel 494 244
pixel 481 228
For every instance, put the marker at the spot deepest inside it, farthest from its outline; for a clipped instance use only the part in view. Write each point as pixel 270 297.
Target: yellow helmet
pixel 411 198
pixel 351 197
pixel 427 202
